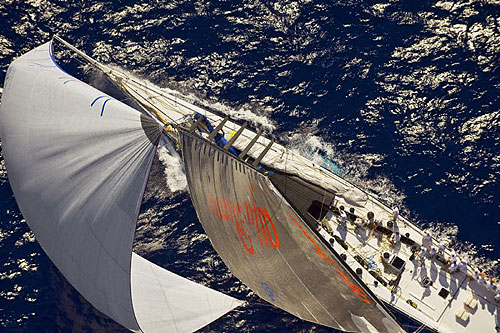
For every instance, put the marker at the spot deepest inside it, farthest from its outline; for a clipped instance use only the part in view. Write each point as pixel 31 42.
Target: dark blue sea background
pixel 404 96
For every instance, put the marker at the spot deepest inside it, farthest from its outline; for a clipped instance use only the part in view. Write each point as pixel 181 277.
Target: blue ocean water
pixel 402 95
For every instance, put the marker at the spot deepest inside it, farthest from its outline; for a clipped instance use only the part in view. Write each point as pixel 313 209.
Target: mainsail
pixel 269 247
pixel 78 161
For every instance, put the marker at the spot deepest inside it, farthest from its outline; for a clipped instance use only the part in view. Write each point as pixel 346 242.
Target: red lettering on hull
pixel 253 216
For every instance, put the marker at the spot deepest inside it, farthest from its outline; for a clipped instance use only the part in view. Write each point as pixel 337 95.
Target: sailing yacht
pixel 300 236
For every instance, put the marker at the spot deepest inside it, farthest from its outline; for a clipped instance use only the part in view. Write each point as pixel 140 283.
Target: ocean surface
pixel 402 96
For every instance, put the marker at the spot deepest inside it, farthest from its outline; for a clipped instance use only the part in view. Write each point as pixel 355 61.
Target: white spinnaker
pixel 78 163
pixel 175 306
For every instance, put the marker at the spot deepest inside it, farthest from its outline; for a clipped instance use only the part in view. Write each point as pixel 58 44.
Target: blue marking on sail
pixel 67 79
pixel 53 59
pixel 95 100
pixel 266 288
pixel 103 105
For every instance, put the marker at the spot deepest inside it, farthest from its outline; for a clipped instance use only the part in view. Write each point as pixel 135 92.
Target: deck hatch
pixel 444 293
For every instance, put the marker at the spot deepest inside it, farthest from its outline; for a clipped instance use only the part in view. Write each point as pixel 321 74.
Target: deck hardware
pixel 463 315
pixel 247 148
pixel 426 282
pixel 235 136
pixel 195 125
pixel 443 293
pixel 263 153
pixel 217 129
pixel 409 301
pixel 471 303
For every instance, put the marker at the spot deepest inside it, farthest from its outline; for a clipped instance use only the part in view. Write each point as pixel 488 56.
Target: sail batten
pixel 78 166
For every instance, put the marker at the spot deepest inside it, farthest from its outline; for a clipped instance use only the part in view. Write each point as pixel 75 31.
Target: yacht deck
pixel 423 289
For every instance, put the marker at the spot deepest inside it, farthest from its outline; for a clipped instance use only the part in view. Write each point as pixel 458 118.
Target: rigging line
pixel 86 63
pixel 420 329
pixel 167 105
pixel 151 105
pixel 141 97
pixel 110 71
pixel 102 68
pixel 322 204
pixel 166 95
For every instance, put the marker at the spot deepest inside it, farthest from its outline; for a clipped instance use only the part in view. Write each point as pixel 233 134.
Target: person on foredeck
pixel 453 257
pixel 343 215
pixel 463 265
pixel 477 274
pixel 422 255
pixel 487 284
pixel 453 267
pixel 497 287
pixel 370 222
pixel 351 215
pixel 482 278
pixel 395 238
pixel 395 214
pixel 442 247
pixel 492 286
pixel 427 235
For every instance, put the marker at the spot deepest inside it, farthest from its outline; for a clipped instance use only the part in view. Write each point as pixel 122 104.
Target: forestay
pixel 78 161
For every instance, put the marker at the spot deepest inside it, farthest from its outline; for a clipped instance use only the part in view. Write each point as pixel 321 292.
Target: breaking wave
pixel 175 176
pixel 352 167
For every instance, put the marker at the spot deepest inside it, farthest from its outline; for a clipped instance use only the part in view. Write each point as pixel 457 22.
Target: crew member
pixel 442 247
pixel 427 235
pixel 453 257
pixel 352 216
pixel 395 213
pixel 463 265
pixel 371 219
pixel 453 267
pixel 395 237
pixel 477 274
pixel 343 215
pixel 422 254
